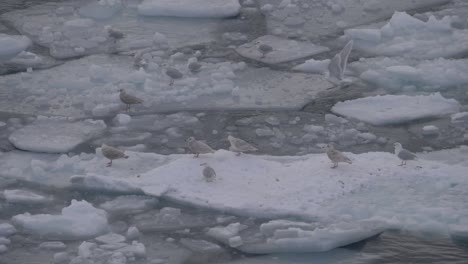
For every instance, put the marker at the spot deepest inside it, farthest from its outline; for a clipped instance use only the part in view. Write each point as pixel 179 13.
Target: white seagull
pixel 336 156
pixel 403 154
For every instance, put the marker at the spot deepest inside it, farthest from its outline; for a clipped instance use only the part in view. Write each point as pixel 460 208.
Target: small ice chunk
pixel 25 197
pixel 133 233
pixel 111 238
pixel 85 249
pixel 10 46
pixel 7 230
pixel 430 130
pixel 122 119
pixel 3 249
pixel 313 66
pixel 235 241
pixel 129 204
pixel 200 246
pixel 80 220
pixel 61 257
pixel 459 117
pixel 53 245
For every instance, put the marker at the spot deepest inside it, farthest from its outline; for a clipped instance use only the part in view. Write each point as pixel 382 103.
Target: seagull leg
pixel 335 164
pixel 109 164
pixel 402 163
pixel 196 155
pixel 171 82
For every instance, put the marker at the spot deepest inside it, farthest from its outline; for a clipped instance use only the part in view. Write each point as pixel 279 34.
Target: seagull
pixel 194 67
pixel 238 145
pixel 336 156
pixel 403 154
pixel 112 153
pixel 173 73
pixel 114 33
pixel 264 49
pixel 208 172
pixel 129 99
pixel 198 147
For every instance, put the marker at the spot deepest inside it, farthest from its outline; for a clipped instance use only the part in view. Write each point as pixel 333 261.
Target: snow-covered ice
pixel 129 204
pixel 190 8
pixel 407 36
pixel 55 134
pixel 313 66
pixel 396 109
pixel 10 46
pixel 80 220
pixel 284 50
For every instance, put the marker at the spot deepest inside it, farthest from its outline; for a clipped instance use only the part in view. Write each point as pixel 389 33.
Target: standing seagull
pixel 173 73
pixel 112 153
pixel 198 147
pixel 265 49
pixel 336 156
pixel 129 99
pixel 208 172
pixel 238 145
pixel 403 154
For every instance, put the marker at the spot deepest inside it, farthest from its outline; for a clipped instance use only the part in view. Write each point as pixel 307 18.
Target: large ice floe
pixel 334 206
pixel 89 86
pixel 55 134
pixel 396 109
pixel 313 19
pixel 82 27
pixel 397 74
pixel 283 50
pixel 80 220
pixel 190 8
pixel 10 46
pixel 407 36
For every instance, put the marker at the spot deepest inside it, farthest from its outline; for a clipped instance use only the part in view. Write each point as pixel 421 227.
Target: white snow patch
pixel 190 8
pixel 19 196
pixel 313 66
pixel 80 220
pixel 55 135
pixel 396 109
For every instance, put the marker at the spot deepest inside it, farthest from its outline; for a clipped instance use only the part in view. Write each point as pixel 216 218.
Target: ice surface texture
pixel 190 8
pixel 10 46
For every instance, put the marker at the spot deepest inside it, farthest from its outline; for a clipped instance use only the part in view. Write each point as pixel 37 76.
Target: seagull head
pixel 121 90
pixel 397 146
pixel 190 139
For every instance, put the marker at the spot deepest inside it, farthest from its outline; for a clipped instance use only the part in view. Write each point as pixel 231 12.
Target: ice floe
pixel 407 36
pixel 304 187
pixel 55 134
pixel 283 50
pixel 396 109
pixel 12 46
pixel 80 220
pixel 190 8
pixel 396 74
